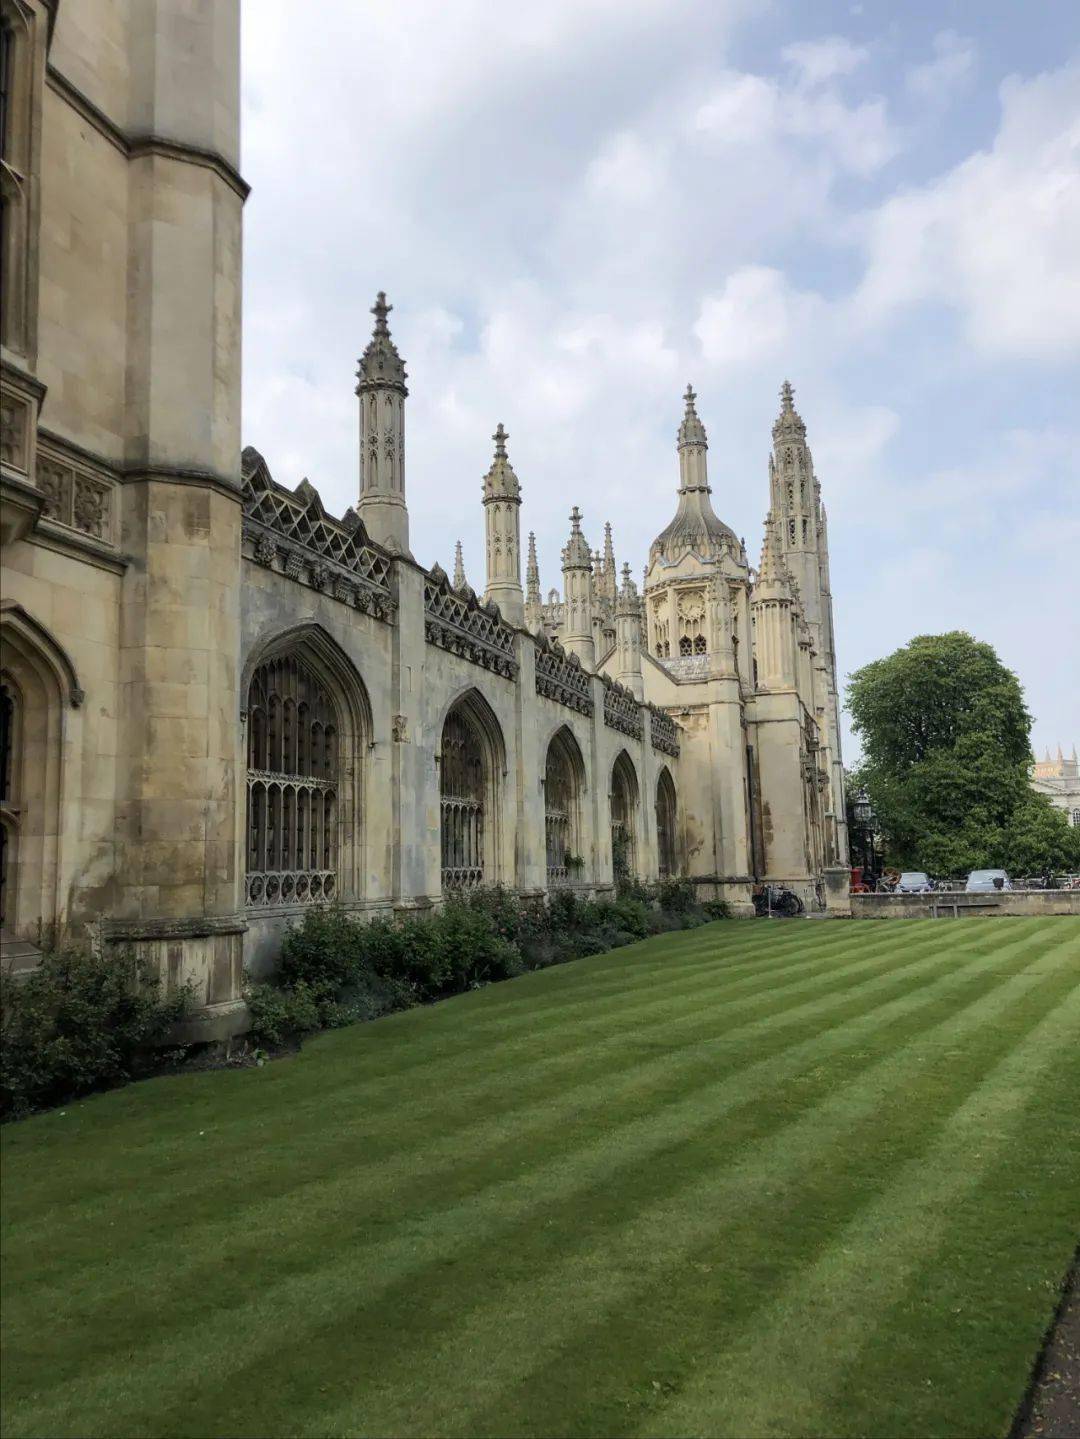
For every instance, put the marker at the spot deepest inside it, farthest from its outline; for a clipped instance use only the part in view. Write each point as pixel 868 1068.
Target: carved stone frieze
pixel 622 711
pixel 664 732
pixel 56 483
pixel 463 625
pixel 91 506
pixel 14 414
pixel 332 556
pixel 75 495
pixel 561 677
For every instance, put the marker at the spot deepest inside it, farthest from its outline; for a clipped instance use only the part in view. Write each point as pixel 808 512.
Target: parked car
pixel 985 881
pixel 914 881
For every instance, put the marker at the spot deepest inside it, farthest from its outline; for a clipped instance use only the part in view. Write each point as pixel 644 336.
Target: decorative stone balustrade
pixel 457 621
pixel 289 531
pixel 665 732
pixel 622 711
pixel 560 677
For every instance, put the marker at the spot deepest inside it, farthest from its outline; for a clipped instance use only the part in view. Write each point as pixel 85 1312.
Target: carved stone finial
pixel 691 431
pixel 788 425
pixel 380 364
pixel 380 310
pixel 500 437
pixel 575 521
pixel 459 567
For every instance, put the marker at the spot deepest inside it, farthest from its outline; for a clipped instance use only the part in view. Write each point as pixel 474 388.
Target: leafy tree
pixel 945 736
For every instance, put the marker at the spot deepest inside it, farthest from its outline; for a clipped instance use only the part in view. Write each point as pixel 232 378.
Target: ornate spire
pixel 628 602
pixel 788 423
pixel 696 529
pixel 459 568
pixel 628 637
pixel 578 594
pixel 610 575
pixel 576 553
pixel 500 482
pixel 380 364
pixel 691 431
pixel 773 579
pixel 502 527
pixel 532 573
pixel 382 393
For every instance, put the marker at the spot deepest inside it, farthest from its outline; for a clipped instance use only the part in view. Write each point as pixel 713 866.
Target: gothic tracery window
pixel 8 813
pixel 292 813
pixel 623 817
pixel 462 787
pixel 691 611
pixel 665 825
pixel 561 810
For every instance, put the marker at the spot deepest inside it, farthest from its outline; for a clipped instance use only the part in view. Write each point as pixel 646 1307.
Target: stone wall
pixel 950 903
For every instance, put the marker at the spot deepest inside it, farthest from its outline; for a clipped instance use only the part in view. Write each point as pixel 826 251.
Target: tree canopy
pixel 946 749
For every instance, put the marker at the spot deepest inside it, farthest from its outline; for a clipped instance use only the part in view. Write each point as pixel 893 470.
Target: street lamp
pixel 864 818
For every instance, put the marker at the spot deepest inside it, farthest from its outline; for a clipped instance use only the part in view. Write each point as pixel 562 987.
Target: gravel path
pixel 1053 1409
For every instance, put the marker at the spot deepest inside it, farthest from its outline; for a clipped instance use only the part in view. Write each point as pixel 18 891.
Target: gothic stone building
pixel 222 705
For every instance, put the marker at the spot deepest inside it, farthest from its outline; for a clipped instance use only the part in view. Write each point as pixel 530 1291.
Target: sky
pixel 576 207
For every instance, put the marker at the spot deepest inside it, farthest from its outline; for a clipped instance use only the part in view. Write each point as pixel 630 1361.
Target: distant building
pixel 1059 780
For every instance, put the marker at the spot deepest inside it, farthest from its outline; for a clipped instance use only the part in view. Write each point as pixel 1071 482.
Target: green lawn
pixel 754 1179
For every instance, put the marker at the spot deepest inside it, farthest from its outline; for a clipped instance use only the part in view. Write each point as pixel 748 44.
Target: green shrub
pixel 677 896
pixel 632 917
pixel 336 969
pixel 628 886
pixel 77 1023
pixel 717 909
pixel 281 1016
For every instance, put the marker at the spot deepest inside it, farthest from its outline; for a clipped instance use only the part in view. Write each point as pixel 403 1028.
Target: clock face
pixel 692 608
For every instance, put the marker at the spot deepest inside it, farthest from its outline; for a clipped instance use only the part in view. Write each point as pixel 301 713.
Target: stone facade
pixel 1059 780
pixel 222 704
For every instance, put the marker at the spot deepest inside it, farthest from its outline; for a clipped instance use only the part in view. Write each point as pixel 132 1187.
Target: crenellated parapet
pixel 463 625
pixel 664 732
pixel 622 711
pixel 562 677
pixel 290 531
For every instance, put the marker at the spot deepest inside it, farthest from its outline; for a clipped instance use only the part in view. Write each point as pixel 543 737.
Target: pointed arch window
pixel 624 796
pixel 665 825
pixel 562 818
pixel 292 800
pixel 462 783
pixel 8 811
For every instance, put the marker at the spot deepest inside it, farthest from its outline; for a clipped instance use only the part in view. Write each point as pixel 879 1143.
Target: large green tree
pixel 946 748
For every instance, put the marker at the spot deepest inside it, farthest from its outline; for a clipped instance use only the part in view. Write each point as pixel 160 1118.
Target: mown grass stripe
pixel 535 1061
pixel 302 1171
pixel 572 1158
pixel 785 1170
pixel 877 1256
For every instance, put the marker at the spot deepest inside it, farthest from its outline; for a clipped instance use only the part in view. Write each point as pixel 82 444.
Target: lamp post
pixel 864 818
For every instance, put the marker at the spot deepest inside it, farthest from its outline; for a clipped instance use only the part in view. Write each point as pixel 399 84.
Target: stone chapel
pixel 219 704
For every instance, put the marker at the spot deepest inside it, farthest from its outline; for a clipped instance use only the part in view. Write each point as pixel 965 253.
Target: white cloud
pixel 749 109
pixel 939 79
pixel 819 60
pixel 997 237
pixel 626 170
pixel 753 318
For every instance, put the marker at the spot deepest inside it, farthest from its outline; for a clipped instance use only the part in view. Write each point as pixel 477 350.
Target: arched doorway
pixel 564 778
pixel 666 843
pixel 624 806
pixel 38 688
